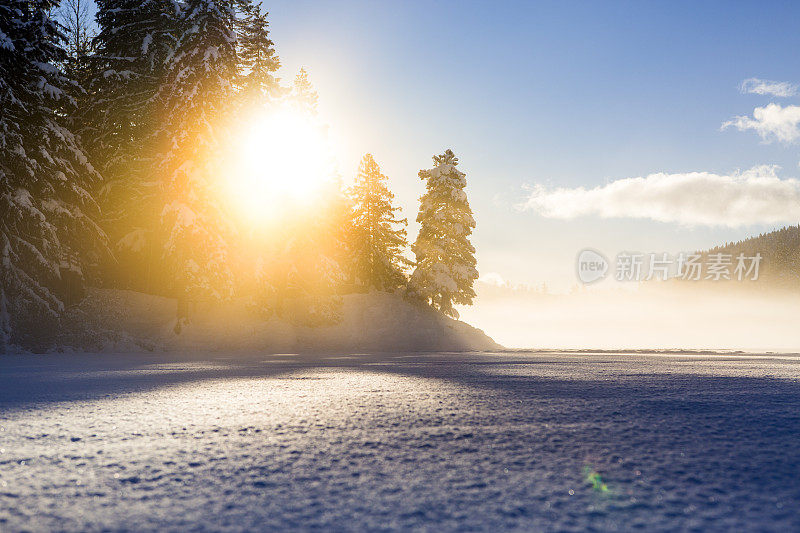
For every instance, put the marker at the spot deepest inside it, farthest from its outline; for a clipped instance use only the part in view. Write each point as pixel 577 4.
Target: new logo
pixel 592 266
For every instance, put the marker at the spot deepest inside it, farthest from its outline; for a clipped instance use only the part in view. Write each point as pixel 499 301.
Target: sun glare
pixel 280 161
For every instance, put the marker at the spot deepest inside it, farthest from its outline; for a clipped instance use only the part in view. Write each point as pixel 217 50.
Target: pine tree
pixel 445 269
pixel 128 67
pixel 258 60
pixel 47 235
pixel 303 94
pixel 379 237
pixel 195 100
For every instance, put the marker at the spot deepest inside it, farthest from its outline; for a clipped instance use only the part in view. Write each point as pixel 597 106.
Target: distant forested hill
pixel 780 251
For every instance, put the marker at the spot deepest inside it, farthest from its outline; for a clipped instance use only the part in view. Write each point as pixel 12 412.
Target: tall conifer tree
pixel 303 93
pixel 195 98
pixel 119 126
pixel 258 60
pixel 47 234
pixel 446 263
pixel 379 238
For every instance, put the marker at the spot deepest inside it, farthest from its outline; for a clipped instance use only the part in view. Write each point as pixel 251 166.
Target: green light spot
pixel 595 479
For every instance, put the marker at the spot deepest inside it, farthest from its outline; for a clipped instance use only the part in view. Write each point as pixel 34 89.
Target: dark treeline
pixel 111 157
pixel 780 252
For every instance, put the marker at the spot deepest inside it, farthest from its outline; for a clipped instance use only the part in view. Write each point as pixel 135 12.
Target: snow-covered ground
pixel 439 441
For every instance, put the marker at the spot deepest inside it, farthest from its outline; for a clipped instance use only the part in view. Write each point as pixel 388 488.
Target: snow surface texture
pixel 112 320
pixel 513 441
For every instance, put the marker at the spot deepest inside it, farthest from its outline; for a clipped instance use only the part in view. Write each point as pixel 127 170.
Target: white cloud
pixel 772 122
pixel 781 89
pixel 756 196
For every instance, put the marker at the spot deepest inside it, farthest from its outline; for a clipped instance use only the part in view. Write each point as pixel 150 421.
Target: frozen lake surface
pixel 525 440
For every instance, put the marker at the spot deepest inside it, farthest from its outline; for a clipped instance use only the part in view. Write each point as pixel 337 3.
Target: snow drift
pixel 116 320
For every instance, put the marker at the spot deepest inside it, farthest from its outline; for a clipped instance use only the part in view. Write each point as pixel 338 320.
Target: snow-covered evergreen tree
pixel 303 94
pixel 195 98
pixel 445 257
pixel 47 235
pixel 129 64
pixel 258 60
pixel 118 126
pixel 379 238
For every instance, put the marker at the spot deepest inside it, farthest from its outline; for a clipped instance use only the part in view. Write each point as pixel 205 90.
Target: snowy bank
pixel 114 320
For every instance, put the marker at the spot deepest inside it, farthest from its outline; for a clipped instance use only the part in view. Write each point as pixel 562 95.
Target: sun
pixel 279 161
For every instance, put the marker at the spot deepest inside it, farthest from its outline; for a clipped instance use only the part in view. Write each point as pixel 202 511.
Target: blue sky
pixel 560 94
